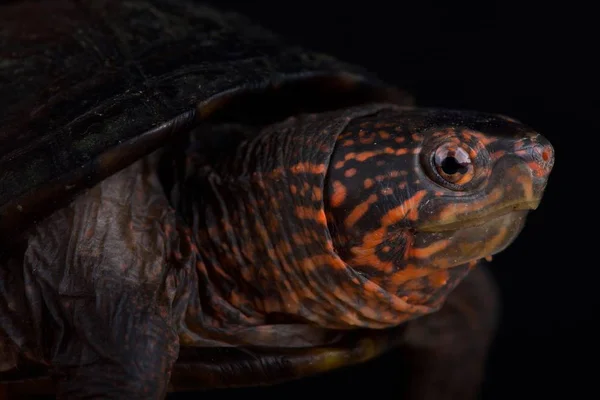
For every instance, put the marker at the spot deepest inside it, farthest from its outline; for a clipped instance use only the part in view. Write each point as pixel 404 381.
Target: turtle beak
pixel 538 154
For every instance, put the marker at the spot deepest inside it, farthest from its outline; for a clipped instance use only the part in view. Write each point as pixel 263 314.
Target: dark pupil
pixel 451 166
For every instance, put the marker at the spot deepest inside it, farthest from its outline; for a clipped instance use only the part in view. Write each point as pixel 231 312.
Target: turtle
pixel 188 201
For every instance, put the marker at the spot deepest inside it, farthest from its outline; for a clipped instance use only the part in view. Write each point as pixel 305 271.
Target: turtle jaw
pixel 481 219
pixel 470 240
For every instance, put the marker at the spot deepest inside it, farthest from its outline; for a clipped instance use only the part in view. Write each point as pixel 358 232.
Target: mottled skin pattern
pixel 312 230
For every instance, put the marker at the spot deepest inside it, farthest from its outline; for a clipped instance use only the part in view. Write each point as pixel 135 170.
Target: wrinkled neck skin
pixel 265 249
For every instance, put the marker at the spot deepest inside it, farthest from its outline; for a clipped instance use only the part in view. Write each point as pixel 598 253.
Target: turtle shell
pixel 97 85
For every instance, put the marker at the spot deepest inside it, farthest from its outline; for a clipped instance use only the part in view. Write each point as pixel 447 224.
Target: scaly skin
pixel 361 219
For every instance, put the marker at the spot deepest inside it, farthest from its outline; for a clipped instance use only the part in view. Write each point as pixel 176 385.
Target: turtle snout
pixel 538 154
pixel 526 170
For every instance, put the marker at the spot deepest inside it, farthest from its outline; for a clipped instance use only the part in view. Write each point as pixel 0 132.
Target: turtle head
pixel 415 192
pixel 368 216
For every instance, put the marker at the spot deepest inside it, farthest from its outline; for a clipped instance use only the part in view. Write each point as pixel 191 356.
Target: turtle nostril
pixel 540 151
pixel 544 149
pixel 546 155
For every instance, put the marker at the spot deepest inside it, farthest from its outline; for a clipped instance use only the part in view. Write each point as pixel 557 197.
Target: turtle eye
pixel 454 164
pixel 454 161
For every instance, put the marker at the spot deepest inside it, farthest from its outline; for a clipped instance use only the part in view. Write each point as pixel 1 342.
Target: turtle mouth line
pixel 480 219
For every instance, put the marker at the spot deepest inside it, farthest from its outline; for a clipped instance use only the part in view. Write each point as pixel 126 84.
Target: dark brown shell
pixel 86 88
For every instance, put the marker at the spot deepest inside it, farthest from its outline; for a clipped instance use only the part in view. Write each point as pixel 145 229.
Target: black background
pixel 534 63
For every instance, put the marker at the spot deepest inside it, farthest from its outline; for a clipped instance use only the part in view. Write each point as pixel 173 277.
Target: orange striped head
pixel 413 193
pixel 364 217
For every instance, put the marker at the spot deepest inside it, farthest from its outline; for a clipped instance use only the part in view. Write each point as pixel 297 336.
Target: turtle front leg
pixel 105 279
pixel 445 352
pixel 134 346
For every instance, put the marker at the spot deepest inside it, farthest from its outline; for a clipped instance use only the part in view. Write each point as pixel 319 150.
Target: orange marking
pixel 277 172
pixel 409 273
pixel 359 211
pixel 365 155
pixel 401 152
pixel 370 258
pixel 368 140
pixel 317 193
pixel 451 211
pixel 467 177
pixel 397 214
pixel 537 169
pixel 306 167
pixel 546 155
pixel 439 278
pixel 300 239
pixel 426 252
pixel 350 172
pixel 370 241
pixel 348 156
pixel 283 247
pixel 384 135
pixel 368 183
pixel 400 139
pixel 323 260
pixel 311 213
pixel 348 143
pixel 339 194
pixel 472 153
pixel 413 214
pixel 485 140
pixel 527 186
pixel 293 189
pixel 371 287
